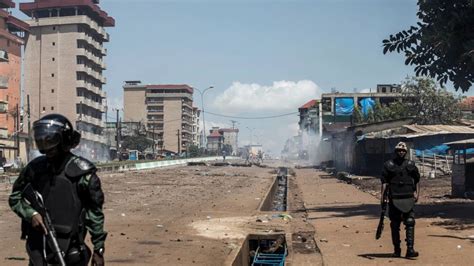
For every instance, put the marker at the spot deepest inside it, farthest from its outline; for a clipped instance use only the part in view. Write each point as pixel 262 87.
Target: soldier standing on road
pixel 401 177
pixel 71 192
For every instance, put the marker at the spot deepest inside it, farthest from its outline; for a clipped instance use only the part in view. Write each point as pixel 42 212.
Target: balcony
pixel 103 51
pixel 3 56
pixel 3 107
pixel 3 133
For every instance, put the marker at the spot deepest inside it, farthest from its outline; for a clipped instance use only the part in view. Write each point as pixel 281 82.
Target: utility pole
pixel 179 142
pixel 233 123
pixel 17 129
pixel 118 131
pixel 28 145
pixel 153 137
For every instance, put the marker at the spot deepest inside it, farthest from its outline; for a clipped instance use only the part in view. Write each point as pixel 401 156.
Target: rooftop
pixel 308 104
pixel 102 16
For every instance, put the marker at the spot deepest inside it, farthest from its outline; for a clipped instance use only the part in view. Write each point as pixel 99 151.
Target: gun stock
pixel 35 200
pixel 380 226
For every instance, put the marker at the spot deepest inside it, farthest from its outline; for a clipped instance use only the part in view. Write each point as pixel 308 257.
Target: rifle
pixel 378 234
pixel 35 200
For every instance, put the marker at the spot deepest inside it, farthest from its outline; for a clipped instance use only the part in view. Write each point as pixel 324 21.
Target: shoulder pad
pixel 411 165
pixel 79 166
pixel 390 165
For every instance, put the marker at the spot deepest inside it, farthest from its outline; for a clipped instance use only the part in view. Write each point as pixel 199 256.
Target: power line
pixel 256 117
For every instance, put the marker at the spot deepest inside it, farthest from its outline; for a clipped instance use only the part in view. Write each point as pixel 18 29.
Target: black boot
pixel 411 253
pixel 395 228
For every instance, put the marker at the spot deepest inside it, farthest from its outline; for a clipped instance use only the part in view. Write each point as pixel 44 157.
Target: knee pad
pixel 410 221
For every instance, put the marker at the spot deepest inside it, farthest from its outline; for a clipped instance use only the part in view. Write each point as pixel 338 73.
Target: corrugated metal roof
pixel 414 131
pixel 439 129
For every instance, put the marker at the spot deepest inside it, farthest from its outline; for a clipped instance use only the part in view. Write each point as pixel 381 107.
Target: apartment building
pixel 231 138
pixel 166 109
pixel 64 64
pixel 12 37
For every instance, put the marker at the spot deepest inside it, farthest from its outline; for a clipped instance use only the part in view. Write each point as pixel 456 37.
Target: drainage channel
pixel 276 199
pixel 259 250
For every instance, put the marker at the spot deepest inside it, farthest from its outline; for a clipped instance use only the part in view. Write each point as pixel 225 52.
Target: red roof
pixel 7 4
pixel 309 104
pixel 214 134
pixel 28 8
pixel 468 104
pixel 17 24
pixel 171 86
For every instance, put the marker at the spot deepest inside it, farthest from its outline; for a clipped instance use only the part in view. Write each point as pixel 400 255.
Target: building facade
pixel 13 33
pixel 64 64
pixel 215 141
pixel 166 110
pixel 231 137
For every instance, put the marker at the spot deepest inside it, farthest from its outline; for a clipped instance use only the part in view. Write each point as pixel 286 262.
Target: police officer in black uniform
pixel 71 192
pixel 401 177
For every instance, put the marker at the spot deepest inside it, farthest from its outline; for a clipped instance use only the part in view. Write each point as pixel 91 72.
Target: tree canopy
pixel 140 143
pixel 441 45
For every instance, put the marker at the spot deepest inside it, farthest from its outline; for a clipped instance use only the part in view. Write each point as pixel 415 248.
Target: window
pixel 54 59
pixel 52 108
pixel 52 75
pixel 54 44
pixel 44 108
pixel 52 91
pixel 54 28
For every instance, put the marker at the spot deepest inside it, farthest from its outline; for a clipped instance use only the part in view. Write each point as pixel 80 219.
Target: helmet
pixel 55 130
pixel 401 146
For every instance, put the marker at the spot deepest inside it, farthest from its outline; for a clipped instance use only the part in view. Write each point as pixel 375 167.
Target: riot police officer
pixel 71 193
pixel 401 177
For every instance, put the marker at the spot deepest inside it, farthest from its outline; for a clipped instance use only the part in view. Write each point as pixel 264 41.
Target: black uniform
pixel 401 176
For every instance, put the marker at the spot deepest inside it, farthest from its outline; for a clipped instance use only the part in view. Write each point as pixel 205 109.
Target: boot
pixel 411 253
pixel 396 240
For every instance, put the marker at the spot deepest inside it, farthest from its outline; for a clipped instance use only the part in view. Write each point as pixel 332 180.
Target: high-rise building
pixel 64 63
pixel 167 110
pixel 12 36
pixel 231 138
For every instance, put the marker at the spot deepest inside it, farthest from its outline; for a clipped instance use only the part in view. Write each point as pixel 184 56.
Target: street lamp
pixel 203 116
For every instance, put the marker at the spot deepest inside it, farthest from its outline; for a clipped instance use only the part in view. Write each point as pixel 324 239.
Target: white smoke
pixel 280 96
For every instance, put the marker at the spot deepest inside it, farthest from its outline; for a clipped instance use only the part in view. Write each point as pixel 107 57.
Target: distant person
pixel 72 195
pixel 401 177
pixel 3 161
pixel 224 153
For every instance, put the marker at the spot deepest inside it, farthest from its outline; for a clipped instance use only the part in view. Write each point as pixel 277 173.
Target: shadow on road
pixel 457 216
pixel 372 256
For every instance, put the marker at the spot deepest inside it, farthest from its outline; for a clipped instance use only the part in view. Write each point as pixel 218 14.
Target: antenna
pixel 233 123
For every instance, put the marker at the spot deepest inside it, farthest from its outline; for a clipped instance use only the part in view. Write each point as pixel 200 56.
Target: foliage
pixel 430 104
pixel 441 46
pixel 357 115
pixel 194 151
pixel 140 143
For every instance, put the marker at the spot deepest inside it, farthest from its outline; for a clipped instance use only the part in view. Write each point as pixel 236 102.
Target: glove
pixel 38 223
pixel 97 259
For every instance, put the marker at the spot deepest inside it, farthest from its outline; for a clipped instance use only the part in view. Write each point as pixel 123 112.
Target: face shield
pixel 47 134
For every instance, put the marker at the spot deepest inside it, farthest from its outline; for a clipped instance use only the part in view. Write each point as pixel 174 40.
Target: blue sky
pixel 251 44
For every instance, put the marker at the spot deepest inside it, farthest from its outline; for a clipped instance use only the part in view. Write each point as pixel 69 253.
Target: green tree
pixel 379 112
pixel 429 104
pixel 140 143
pixel 357 116
pixel 194 151
pixel 441 46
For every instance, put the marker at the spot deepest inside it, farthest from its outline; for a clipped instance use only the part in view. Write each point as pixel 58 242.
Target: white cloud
pixel 280 96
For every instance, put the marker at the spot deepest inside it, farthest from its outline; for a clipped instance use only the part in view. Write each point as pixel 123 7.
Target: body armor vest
pixel 401 184
pixel 62 198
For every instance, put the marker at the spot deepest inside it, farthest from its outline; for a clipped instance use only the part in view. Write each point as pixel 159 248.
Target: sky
pixel 263 57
